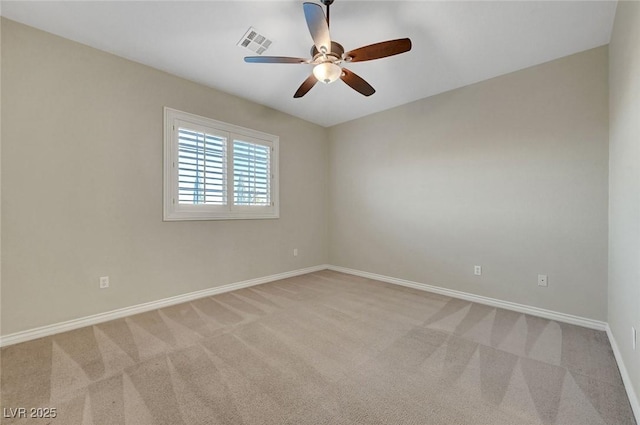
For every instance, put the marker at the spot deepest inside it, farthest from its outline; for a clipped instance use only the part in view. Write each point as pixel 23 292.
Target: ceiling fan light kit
pixel 327 72
pixel 327 56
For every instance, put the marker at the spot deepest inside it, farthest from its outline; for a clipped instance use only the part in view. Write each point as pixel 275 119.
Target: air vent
pixel 254 41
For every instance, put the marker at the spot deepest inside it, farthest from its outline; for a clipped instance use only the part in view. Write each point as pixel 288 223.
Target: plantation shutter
pixel 202 169
pixel 218 171
pixel 251 173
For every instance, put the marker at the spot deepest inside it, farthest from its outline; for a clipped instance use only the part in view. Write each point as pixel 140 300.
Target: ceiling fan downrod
pixel 327 3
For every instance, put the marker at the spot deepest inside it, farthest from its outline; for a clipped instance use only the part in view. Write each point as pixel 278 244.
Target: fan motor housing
pixel 336 50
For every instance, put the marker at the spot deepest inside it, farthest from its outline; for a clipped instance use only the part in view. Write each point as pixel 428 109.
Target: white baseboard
pixel 153 305
pixel 69 325
pixel 507 305
pixel 626 379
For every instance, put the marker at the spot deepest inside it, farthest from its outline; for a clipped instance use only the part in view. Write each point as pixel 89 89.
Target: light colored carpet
pixel 324 348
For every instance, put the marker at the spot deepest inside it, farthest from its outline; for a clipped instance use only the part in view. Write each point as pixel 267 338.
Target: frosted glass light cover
pixel 327 72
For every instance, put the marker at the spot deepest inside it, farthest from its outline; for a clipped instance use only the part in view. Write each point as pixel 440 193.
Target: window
pixel 217 171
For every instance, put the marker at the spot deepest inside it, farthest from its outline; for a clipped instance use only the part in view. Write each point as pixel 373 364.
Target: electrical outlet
pixel 634 338
pixel 104 282
pixel 542 280
pixel 295 252
pixel 477 270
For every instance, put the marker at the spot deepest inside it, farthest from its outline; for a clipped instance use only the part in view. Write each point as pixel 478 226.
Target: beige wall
pixel 624 185
pixel 1 21
pixel 509 174
pixel 82 186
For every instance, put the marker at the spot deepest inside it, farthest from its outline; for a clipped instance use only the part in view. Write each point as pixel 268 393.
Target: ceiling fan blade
pixel 306 86
pixel 318 26
pixel 380 50
pixel 273 59
pixel 357 83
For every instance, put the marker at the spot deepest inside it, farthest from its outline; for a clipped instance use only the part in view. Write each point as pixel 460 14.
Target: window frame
pixel 174 211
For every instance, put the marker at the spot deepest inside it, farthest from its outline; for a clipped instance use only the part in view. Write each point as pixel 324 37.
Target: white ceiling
pixel 454 43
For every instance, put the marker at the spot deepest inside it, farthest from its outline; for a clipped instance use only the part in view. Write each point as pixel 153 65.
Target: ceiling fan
pixel 327 56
